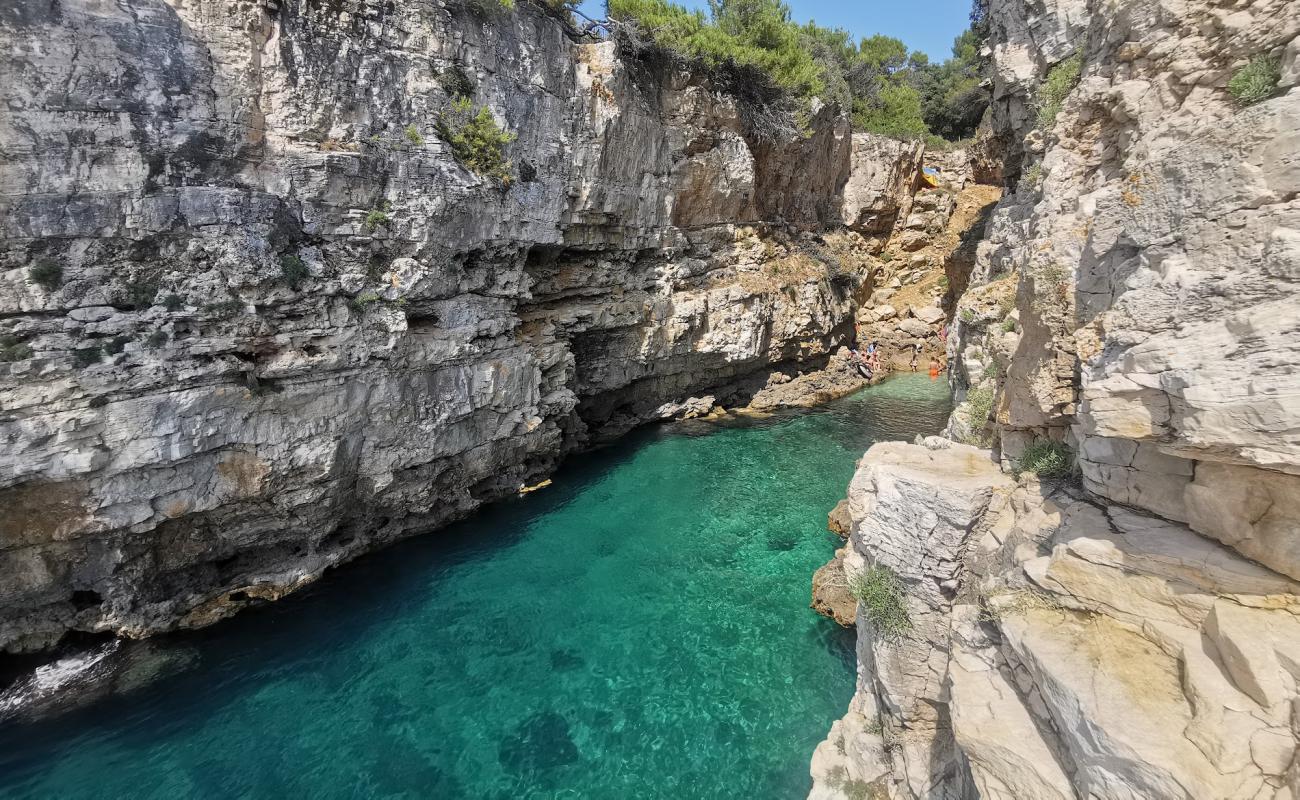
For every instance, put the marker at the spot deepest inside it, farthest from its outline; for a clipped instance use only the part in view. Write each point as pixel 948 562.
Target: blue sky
pixel 927 25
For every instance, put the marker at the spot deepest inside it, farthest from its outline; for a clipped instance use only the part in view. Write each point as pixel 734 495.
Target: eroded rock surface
pixel 1127 631
pixel 281 323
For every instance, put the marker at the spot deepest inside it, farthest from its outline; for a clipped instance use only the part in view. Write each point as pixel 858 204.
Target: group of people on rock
pixel 867 361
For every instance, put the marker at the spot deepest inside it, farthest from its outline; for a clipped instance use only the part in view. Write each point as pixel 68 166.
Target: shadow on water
pixel 608 632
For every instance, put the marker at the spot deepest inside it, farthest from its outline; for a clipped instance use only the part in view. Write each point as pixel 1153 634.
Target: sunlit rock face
pixel 1130 630
pixel 259 317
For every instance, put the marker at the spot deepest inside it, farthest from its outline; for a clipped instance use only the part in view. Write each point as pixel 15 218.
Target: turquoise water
pixel 639 630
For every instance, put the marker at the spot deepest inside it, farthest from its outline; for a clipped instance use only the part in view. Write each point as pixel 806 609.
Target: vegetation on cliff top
pixel 886 89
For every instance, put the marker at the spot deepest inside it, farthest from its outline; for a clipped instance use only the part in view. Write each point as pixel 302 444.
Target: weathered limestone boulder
pixel 830 592
pixel 879 189
pixel 930 315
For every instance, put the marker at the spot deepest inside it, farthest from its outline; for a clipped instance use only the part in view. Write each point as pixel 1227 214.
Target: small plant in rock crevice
pixel 87 356
pixel 378 217
pixel 1061 80
pixel 13 349
pixel 979 405
pixel 476 140
pixel 363 301
pixel 1046 459
pixel 173 302
pixel 880 592
pixel 47 274
pixel 456 82
pixel 293 270
pixel 413 136
pixel 1256 81
pixel 141 291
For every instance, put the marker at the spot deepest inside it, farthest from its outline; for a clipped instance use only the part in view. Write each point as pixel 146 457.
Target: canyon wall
pixel 1130 629
pixel 257 317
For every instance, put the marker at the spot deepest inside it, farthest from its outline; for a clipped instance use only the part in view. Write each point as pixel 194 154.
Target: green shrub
pixel 173 302
pixel 1031 176
pixel 141 291
pixel 456 82
pixel 1256 81
pixel 294 271
pixel 47 274
pixel 13 349
pixel 752 33
pixel 475 138
pixel 377 217
pixel 413 136
pixel 980 402
pixel 967 315
pixel 86 356
pixel 1046 459
pixel 157 339
pixel 1061 80
pixel 1009 325
pixel 881 595
pixel 363 301
pixel 116 345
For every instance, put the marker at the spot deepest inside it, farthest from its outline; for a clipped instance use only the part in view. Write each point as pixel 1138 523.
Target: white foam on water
pixel 51 678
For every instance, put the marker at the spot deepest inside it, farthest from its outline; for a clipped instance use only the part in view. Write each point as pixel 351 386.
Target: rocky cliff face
pixel 257 317
pixel 1130 631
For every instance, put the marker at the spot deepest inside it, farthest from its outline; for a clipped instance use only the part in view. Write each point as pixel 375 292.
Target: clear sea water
pixel 639 630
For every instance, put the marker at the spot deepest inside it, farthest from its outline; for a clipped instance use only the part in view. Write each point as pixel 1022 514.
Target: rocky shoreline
pixel 279 324
pixel 1088 589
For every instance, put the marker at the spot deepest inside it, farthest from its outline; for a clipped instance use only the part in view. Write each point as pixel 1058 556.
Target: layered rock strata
pixel 1128 630
pixel 258 317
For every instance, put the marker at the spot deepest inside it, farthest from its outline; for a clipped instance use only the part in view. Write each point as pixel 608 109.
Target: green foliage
pixel 1061 80
pixel 13 349
pixel 377 217
pixel 363 301
pixel 1046 459
pixel 887 89
pixel 293 270
pixel 979 401
pixel 157 339
pixel 881 595
pixel 173 302
pixel 47 274
pixel 967 315
pixel 413 136
pixel 1009 325
pixel 1256 81
pixel 475 138
pixel 1031 176
pixel 87 356
pixel 755 33
pixel 456 82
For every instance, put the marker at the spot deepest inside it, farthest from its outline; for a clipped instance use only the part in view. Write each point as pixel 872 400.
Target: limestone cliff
pixel 258 318
pixel 1129 630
